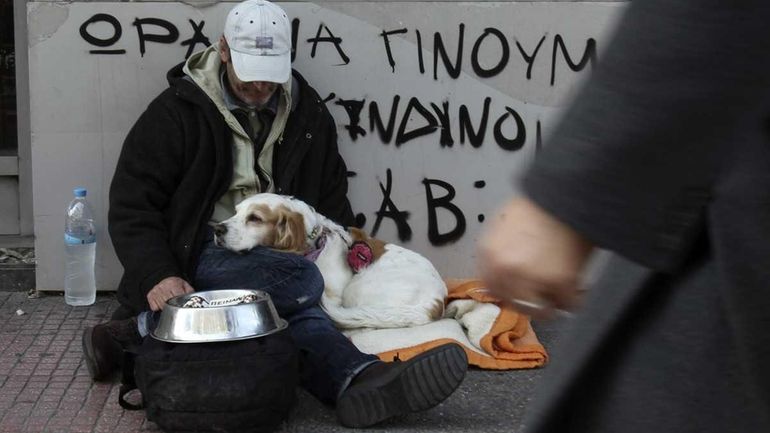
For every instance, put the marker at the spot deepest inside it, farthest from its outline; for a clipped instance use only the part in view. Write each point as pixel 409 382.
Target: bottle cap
pixel 79 192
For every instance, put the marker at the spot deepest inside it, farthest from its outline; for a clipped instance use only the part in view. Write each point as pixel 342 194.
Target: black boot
pixel 103 346
pixel 384 390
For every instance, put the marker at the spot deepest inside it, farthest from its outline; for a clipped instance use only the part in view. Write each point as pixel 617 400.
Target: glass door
pixel 9 165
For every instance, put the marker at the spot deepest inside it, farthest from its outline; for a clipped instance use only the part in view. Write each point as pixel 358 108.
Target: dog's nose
pixel 220 229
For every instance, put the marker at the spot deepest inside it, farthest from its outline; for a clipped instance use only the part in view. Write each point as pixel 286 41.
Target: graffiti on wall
pixel 403 118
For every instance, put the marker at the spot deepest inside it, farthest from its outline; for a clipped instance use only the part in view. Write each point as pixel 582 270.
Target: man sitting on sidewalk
pixel 235 121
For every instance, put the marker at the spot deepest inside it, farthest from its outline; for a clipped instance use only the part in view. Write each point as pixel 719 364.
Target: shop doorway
pixel 15 190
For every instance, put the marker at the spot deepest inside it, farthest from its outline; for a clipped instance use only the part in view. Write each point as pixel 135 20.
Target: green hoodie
pixel 204 69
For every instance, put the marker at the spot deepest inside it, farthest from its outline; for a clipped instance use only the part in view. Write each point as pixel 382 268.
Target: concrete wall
pixel 463 124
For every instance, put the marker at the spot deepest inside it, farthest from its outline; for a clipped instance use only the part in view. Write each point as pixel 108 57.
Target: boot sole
pixel 425 381
pixel 90 356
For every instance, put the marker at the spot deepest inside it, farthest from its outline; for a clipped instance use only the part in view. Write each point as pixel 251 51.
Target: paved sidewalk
pixel 45 387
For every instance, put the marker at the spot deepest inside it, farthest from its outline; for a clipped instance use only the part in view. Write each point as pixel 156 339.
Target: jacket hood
pixel 203 69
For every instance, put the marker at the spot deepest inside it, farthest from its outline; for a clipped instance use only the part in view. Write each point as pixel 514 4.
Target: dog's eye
pixel 253 218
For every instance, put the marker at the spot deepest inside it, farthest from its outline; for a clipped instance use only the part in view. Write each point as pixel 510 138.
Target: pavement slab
pixel 45 387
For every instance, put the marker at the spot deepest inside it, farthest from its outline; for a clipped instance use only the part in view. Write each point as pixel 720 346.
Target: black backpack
pixel 235 386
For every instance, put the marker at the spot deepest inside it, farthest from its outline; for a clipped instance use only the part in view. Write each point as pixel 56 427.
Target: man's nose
pixel 220 229
pixel 261 86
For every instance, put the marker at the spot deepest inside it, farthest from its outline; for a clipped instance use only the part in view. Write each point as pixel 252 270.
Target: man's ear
pixel 224 49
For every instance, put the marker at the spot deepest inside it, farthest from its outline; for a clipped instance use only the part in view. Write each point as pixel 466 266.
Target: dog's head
pixel 269 220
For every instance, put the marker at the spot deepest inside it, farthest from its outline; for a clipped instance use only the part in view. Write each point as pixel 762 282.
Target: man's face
pixel 253 93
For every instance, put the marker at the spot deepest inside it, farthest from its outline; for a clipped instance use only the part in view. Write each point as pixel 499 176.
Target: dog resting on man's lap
pixel 368 283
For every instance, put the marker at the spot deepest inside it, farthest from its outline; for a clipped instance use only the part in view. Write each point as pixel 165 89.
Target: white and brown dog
pixel 368 283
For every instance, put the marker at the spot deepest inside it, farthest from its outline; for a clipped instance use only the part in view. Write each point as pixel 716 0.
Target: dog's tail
pixel 382 316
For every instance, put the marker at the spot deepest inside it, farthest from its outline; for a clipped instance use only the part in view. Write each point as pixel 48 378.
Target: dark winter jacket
pixel 177 161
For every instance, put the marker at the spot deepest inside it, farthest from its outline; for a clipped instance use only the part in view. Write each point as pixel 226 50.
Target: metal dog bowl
pixel 218 315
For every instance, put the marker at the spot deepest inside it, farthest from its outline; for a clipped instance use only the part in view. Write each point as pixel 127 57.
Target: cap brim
pixel 275 69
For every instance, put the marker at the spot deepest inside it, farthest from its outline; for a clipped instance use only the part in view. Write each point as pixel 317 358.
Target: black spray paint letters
pixel 388 209
pixel 155 30
pixel 452 63
pixel 435 237
pixel 431 118
pixel 439 195
pixel 158 30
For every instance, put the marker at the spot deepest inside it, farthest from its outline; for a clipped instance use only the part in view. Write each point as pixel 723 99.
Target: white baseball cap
pixel 259 36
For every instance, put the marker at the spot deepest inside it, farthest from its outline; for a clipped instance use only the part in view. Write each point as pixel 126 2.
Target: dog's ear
pixel 290 231
pixel 378 247
pixel 357 234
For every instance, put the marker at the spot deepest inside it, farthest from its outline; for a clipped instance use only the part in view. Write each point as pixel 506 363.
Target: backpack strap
pixel 128 380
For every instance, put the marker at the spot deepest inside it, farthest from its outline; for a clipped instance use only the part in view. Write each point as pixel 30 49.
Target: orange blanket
pixel 495 337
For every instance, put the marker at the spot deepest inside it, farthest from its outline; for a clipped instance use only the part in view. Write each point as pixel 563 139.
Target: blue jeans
pixel 328 359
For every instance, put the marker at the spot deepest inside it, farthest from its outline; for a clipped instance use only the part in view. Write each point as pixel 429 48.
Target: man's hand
pixel 165 290
pixel 531 260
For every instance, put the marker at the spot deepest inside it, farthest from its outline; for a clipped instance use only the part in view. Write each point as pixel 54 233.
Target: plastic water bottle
pixel 80 251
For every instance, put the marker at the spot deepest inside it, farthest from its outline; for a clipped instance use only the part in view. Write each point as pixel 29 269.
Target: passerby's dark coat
pixel 177 161
pixel 665 160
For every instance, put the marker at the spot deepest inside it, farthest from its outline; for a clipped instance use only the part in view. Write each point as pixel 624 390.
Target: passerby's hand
pixel 165 290
pixel 531 260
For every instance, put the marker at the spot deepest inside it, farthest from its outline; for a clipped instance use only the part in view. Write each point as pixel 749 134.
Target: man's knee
pixel 311 282
pixel 300 279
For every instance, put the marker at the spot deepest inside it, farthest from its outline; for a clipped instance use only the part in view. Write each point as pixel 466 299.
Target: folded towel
pixel 494 337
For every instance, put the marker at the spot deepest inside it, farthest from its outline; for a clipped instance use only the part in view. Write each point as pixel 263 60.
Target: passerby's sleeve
pixel 633 163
